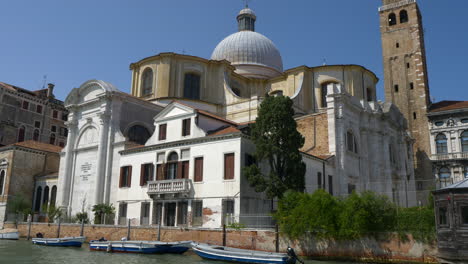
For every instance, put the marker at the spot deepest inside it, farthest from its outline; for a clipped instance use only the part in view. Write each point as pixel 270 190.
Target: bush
pixel 81 217
pixel 417 221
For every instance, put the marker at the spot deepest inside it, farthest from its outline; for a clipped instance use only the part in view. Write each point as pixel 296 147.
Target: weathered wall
pixel 369 249
pixel 314 128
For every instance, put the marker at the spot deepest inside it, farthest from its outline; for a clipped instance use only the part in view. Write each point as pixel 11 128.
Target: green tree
pixel 53 212
pixel 101 212
pixel 277 142
pixel 19 205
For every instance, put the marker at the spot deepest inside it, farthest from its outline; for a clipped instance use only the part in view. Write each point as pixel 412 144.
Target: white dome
pixel 249 48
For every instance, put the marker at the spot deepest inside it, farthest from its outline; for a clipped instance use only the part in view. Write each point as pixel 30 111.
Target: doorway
pixel 170 214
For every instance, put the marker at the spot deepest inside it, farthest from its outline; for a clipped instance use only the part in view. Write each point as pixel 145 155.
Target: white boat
pixel 9 233
pixel 60 242
pixel 143 247
pixel 230 254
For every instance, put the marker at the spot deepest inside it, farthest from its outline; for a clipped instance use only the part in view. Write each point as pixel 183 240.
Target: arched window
pixel 370 96
pixel 2 181
pixel 324 93
pixel 53 195
pixel 444 176
pixel 464 141
pixel 403 16
pixel 36 135
pixel 192 86
pixel 45 199
pixel 138 134
pixel 351 143
pixel 441 144
pixel 52 139
pixel 21 133
pixel 147 82
pixel 172 161
pixel 37 205
pixel 392 20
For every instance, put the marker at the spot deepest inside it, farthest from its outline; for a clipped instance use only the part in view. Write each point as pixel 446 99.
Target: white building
pixel 188 114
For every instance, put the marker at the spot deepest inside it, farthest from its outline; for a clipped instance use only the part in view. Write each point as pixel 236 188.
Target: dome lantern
pixel 246 19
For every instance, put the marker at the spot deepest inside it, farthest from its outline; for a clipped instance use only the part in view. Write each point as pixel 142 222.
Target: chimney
pixel 50 90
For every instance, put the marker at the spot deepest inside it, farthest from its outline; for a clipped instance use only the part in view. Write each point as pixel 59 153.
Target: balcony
pixel 174 187
pixel 450 156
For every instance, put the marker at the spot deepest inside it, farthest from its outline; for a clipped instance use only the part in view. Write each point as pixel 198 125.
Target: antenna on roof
pixel 246 3
pixel 44 81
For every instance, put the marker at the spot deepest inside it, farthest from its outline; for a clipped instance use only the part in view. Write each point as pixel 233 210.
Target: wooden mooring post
pixel 29 225
pixel 224 235
pixel 277 238
pixel 159 226
pixel 58 228
pixel 128 230
pixel 82 227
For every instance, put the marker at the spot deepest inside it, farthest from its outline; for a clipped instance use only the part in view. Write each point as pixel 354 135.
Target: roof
pixel 459 185
pixel 225 130
pixel 37 146
pixel 322 157
pixel 448 105
pixel 207 114
pixel 21 90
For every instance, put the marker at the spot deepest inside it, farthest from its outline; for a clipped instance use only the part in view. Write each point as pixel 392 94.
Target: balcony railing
pixel 450 156
pixel 395 5
pixel 169 186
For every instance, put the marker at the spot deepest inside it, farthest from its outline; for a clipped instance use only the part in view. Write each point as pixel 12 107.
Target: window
pixel 392 20
pixel 186 127
pixel 63 131
pixel 442 215
pixel 445 177
pixel 64 117
pixel 52 139
pixel 229 166
pixel 172 166
pixel 414 115
pixel 197 213
pixel 138 134
pixel 122 214
pixel 39 109
pixel 2 182
pixel 147 81
pixel 464 141
pixel 369 95
pixel 351 142
pixel 36 135
pixel 464 215
pixel 227 212
pixel 25 105
pixel 392 153
pixel 37 204
pixel 162 131
pixel 21 133
pixel 192 86
pixel 125 176
pixel 61 144
pixel 198 173
pixel 351 188
pixel 184 170
pixel 464 121
pixel 45 199
pixel 411 85
pixel 53 129
pixel 323 94
pixel 439 123
pixel 53 195
pixel 419 186
pixel 54 114
pixel 330 184
pixel 182 212
pixel 396 88
pixel 397 45
pixel 408 65
pixel 403 16
pixel 145 213
pixel 146 173
pixel 319 180
pixel 441 144
pixel 157 213
pixel 37 124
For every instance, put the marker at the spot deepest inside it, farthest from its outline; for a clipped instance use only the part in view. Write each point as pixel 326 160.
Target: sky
pixel 71 42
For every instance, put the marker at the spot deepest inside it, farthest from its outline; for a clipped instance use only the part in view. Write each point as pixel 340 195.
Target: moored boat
pixel 60 242
pixel 11 234
pixel 230 254
pixel 143 247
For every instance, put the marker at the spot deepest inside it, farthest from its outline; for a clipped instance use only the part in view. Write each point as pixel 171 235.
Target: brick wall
pixel 391 249
pixel 314 128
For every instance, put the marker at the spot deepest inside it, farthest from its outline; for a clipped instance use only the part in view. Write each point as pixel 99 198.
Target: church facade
pixel 174 149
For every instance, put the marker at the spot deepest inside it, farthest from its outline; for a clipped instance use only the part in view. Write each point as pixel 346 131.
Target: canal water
pixel 22 251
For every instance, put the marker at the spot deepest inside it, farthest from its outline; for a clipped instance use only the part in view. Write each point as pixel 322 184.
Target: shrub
pixel 417 221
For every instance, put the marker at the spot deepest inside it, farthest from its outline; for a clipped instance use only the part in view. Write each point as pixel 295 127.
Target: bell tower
pixel 406 80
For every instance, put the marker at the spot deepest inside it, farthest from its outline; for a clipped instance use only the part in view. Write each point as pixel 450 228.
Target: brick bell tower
pixel 406 81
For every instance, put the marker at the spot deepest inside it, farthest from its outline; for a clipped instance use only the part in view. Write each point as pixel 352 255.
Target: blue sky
pixel 74 41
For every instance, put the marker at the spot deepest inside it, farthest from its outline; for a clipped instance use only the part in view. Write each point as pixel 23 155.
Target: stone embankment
pixel 369 250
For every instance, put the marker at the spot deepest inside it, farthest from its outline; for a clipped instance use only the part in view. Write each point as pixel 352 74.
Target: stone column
pixel 101 156
pixel 64 182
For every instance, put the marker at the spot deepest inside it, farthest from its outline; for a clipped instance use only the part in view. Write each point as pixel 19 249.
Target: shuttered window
pixel 229 166
pixel 162 131
pixel 125 176
pixel 160 172
pixel 198 169
pixel 186 127
pixel 185 169
pixel 146 173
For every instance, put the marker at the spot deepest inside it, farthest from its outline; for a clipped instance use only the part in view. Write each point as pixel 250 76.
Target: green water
pixel 23 251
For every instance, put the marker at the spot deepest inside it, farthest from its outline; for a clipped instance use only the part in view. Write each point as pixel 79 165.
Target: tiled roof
pixel 227 130
pixel 208 114
pixel 448 105
pixel 38 146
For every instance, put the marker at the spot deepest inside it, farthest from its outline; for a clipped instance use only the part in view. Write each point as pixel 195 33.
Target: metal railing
pixel 169 186
pixel 395 5
pixel 449 156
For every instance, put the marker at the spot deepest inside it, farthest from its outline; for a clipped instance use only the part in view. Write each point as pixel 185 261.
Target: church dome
pixel 253 54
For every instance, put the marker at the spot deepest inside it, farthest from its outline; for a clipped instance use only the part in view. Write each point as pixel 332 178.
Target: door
pixel 170 213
